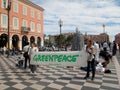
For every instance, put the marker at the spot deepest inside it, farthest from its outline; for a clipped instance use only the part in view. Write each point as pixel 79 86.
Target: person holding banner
pixel 90 60
pixel 33 49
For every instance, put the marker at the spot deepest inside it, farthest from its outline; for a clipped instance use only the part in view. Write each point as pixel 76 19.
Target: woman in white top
pixel 90 60
pixel 33 49
pixel 97 49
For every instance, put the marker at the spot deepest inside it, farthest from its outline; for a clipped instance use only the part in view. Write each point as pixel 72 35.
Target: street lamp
pixel 103 28
pixel 60 23
pixel 105 38
pixel 7 4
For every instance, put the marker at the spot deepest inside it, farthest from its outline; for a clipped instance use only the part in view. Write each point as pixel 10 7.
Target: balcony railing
pixel 25 29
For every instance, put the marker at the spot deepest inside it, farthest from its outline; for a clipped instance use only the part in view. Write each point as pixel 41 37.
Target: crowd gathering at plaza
pixel 94 52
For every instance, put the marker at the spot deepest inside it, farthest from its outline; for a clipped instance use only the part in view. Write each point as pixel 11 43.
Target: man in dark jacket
pixel 26 50
pixel 114 49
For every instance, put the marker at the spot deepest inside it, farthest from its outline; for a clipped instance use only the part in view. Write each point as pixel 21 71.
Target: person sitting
pixel 106 56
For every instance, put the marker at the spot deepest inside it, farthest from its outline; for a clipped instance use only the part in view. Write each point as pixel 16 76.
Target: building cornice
pixel 28 2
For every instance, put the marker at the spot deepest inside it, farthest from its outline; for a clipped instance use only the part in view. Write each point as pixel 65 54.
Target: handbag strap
pixel 28 49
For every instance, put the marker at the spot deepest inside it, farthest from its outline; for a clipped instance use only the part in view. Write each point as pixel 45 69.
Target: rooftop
pixel 32 4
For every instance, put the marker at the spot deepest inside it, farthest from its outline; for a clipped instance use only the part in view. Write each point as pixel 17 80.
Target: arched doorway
pixel 32 39
pixel 15 41
pixel 38 41
pixel 4 40
pixel 24 40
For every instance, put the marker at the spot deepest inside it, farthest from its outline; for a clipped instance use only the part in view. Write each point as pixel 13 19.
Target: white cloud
pixel 88 15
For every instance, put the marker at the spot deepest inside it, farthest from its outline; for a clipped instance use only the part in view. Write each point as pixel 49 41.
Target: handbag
pixel 25 54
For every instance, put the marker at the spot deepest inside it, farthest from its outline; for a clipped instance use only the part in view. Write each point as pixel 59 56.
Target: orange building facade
pixel 26 24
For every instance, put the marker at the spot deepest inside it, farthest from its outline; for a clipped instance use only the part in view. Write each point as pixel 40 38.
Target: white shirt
pixel 33 50
pixel 4 48
pixel 96 51
pixel 89 51
pixel 26 48
pixel 105 45
pixel 96 47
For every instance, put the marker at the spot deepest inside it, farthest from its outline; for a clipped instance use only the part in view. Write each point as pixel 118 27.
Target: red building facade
pixel 26 24
pixel 117 38
pixel 98 38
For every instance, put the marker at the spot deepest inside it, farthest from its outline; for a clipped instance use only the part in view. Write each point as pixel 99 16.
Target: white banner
pixel 63 58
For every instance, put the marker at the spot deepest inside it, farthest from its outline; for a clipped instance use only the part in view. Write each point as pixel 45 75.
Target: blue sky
pixel 87 15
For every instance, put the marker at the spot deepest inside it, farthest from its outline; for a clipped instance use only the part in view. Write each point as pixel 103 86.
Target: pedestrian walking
pixel 105 46
pixel 90 60
pixel 119 47
pixel 111 47
pixel 97 50
pixel 53 48
pixel 114 49
pixel 26 56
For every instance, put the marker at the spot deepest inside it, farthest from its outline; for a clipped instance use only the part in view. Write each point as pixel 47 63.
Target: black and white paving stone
pixel 53 78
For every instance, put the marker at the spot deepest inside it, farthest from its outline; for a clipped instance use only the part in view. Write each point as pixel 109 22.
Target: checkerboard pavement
pixel 118 56
pixel 53 78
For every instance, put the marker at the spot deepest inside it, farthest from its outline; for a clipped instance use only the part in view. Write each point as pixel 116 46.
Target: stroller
pixel 20 62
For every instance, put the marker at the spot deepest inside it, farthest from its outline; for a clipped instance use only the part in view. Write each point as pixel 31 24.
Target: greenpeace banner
pixel 63 58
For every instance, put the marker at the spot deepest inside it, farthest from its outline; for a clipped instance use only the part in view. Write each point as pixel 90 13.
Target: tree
pixel 69 40
pixel 64 40
pixel 46 41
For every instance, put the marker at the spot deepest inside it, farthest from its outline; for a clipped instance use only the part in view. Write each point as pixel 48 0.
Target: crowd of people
pixel 28 51
pixel 95 51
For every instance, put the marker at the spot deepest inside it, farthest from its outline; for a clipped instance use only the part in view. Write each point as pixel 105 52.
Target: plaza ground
pixel 56 78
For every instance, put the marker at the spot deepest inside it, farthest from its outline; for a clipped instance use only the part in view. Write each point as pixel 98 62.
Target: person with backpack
pixel 105 46
pixel 26 56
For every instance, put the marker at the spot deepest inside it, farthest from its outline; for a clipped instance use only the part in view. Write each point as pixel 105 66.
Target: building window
pixel 39 27
pixel 4 20
pixel 15 23
pixel 15 7
pixel 24 24
pixel 4 4
pixel 32 26
pixel 32 13
pixel 38 15
pixel 24 10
